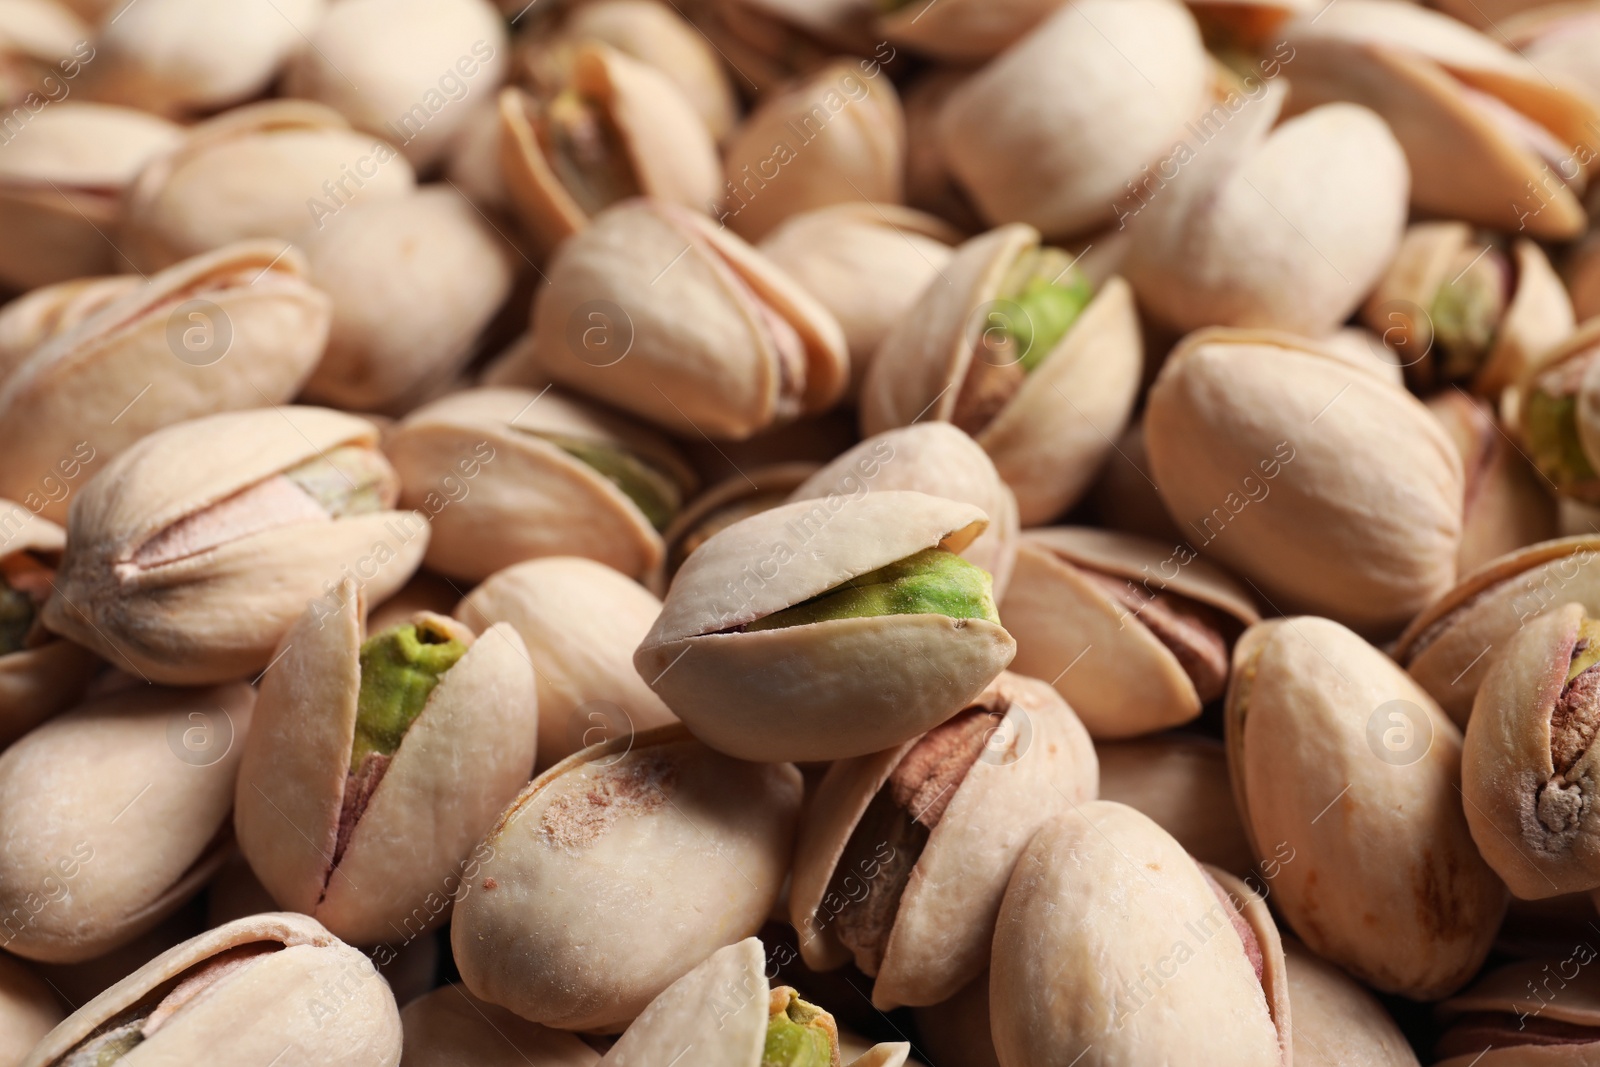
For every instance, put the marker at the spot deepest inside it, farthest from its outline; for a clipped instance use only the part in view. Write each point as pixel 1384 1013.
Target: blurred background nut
pixel 40 674
pixel 616 870
pixel 115 813
pixel 743 494
pixel 449 1027
pixel 1182 784
pixel 167 545
pixel 1555 411
pixel 1506 1020
pixel 1581 272
pixel 43 45
pixel 1336 1022
pixel 956 1033
pixel 28 1011
pixel 930 186
pixel 35 317
pixel 961 31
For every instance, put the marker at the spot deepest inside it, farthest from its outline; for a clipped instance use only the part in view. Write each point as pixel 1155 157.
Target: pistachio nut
pixel 1135 634
pixel 1054 130
pixel 1535 1012
pixel 1347 775
pixel 184 56
pixel 60 189
pixel 507 475
pixel 866 263
pixel 236 328
pixel 1148 927
pixel 836 137
pixel 611 855
pixel 167 545
pixel 580 621
pixel 1277 228
pixel 409 72
pixel 115 813
pixel 1489 138
pixel 1581 272
pixel 449 1027
pixel 28 1010
pixel 1182 783
pixel 1555 411
pixel 964 31
pixel 1560 39
pixel 1337 1023
pixel 716 339
pixel 1229 414
pixel 34 318
pixel 1013 345
pixel 1468 308
pixel 413 280
pixel 956 1032
pixel 772 43
pixel 353 806
pixel 930 186
pixel 41 43
pixel 1124 495
pixel 824 629
pixel 1369 351
pixel 244 992
pixel 76 983
pixel 473 165
pixel 615 128
pixel 901 863
pixel 736 498
pixel 272 169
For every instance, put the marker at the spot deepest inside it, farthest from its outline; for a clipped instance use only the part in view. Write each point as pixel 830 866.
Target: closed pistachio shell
pixel 116 812
pixel 1341 759
pixel 166 547
pixel 34 318
pixel 272 169
pixel 655 310
pixel 1050 131
pixel 1532 1013
pixel 1135 634
pixel 964 31
pixel 449 1027
pixel 1337 1023
pixel 40 42
pixel 409 72
pixel 825 689
pixel 1182 783
pixel 580 621
pixel 1164 972
pixel 264 986
pixel 28 1010
pixel 651 849
pixel 236 328
pixel 737 497
pixel 1238 413
pixel 905 854
pixel 1369 350
pixel 60 188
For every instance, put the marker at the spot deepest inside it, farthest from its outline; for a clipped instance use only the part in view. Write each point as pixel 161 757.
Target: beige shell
pixel 580 621
pixel 43 46
pixel 651 849
pixel 314 996
pixel 28 1010
pixel 237 328
pixel 34 318
pixel 837 137
pixel 1582 274
pixel 413 846
pixel 1182 783
pixel 1115 671
pixel 1052 435
pixel 1052 131
pixel 209 617
pixel 1366 526
pixel 937 459
pixel 963 31
pixel 409 71
pixel 1518 1001
pixel 60 187
pixel 115 814
pixel 1037 762
pixel 1337 1023
pixel 473 166
pixel 497 492
pixel 1124 496
pixel 1343 765
pixel 771 43
pixel 1139 925
pixel 413 280
pixel 744 493
pixel 654 310
pixel 272 169
pixel 1559 39
pixel 826 690
pixel 449 1027
pixel 930 186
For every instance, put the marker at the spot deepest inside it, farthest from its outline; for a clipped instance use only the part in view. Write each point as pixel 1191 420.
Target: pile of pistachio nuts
pixel 799 533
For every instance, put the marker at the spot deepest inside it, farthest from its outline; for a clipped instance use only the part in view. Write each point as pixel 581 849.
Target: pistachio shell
pixel 613 854
pixel 449 1027
pixel 930 186
pixel 697 1012
pixel 1508 1009
pixel 1559 39
pixel 580 621
pixel 473 166
pixel 1367 350
pixel 1182 784
pixel 963 31
pixel 1337 1023
pixel 1343 760
pixel 114 815
pixel 209 617
pixel 737 497
pixel 41 43
pixel 37 682
pixel 1582 274
pixel 28 1010
pixel 34 318
pixel 826 690
pixel 315 998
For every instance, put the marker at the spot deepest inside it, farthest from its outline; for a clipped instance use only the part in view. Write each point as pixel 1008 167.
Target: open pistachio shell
pixel 825 689
pixel 1052 131
pixel 1166 961
pixel 34 318
pixel 902 859
pixel 28 1010
pixel 377 861
pixel 1049 438
pixel 1182 783
pixel 450 1027
pixel 655 310
pixel 580 621
pixel 1532 1013
pixel 1268 451
pixel 612 855
pixel 1337 1023
pixel 508 475
pixel 264 986
pixel 737 497
pixel 166 547
pixel 1135 634
pixel 1554 412
pixel 1346 770
pixel 962 31
pixel 115 813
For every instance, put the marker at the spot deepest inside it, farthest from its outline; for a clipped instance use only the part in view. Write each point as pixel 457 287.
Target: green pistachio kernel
pixel 348 480
pixel 798 1034
pixel 16 618
pixel 656 494
pixel 1467 309
pixel 1586 653
pixel 586 152
pixel 932 582
pixel 109 1047
pixel 399 668
pixel 1051 294
pixel 1550 427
